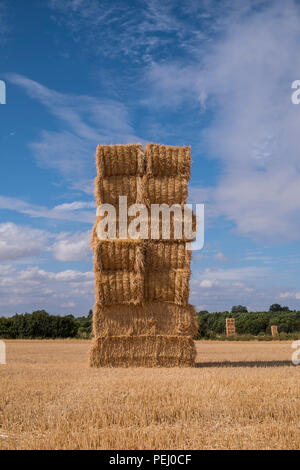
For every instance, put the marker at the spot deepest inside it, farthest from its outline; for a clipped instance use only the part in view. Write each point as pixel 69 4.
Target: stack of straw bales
pixel 230 327
pixel 274 330
pixel 142 316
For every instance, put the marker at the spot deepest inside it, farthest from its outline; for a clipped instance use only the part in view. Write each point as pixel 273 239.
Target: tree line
pixel 249 323
pixel 40 324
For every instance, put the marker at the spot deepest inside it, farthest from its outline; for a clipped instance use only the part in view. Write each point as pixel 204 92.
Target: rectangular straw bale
pixel 167 160
pixel 167 286
pixel 167 189
pixel 112 287
pixel 113 255
pixel 115 160
pixel 95 238
pixel 167 255
pixel 143 351
pixel 230 327
pixel 274 330
pixel 152 318
pixel 172 226
pixel 108 189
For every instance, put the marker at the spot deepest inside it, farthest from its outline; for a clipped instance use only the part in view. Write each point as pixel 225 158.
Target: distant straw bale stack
pixel 274 330
pixel 230 327
pixel 142 316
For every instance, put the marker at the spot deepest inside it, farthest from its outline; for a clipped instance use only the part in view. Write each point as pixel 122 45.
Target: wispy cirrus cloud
pixel 243 80
pixel 84 122
pixel 75 211
pixel 137 31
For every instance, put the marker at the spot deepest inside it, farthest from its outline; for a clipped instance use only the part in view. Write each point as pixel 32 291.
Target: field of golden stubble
pixel 240 396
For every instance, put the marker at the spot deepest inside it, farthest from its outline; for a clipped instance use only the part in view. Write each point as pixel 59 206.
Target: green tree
pixel 239 309
pixel 278 308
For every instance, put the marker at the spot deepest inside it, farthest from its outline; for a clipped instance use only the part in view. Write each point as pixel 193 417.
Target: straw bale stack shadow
pixel 142 316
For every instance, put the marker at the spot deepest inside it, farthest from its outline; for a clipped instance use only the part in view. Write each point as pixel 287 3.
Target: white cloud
pixel 72 247
pixel 220 288
pixel 18 241
pixel 290 295
pixel 208 283
pixel 248 273
pixel 246 75
pixel 220 257
pixel 34 288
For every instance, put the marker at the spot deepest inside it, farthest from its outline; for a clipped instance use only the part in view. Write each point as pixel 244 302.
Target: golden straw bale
pixel 115 160
pixel 274 330
pixel 112 255
pixel 230 327
pixel 108 189
pixel 167 189
pixel 167 255
pixel 174 224
pixel 167 286
pixel 167 160
pixel 160 318
pixel 113 287
pixel 142 351
pixel 149 234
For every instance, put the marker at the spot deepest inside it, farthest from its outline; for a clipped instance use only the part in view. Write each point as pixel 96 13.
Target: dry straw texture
pixel 151 232
pixel 112 255
pixel 147 351
pixel 168 286
pixel 113 287
pixel 165 160
pixel 155 318
pixel 164 255
pixel 241 395
pixel 174 225
pixel 108 189
pixel 167 189
pixel 120 160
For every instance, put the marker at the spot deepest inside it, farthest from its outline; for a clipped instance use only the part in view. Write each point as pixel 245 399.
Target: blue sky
pixel 213 75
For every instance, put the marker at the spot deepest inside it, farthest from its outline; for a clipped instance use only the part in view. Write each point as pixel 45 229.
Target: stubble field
pixel 241 395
